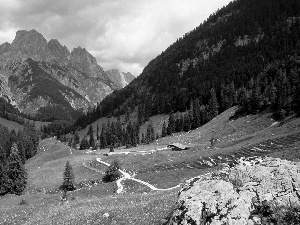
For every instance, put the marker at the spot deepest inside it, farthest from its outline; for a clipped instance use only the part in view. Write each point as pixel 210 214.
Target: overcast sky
pixel 123 34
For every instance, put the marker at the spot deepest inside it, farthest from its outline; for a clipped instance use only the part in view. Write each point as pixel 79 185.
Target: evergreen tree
pixel 103 139
pixel 150 135
pixel 255 100
pixel 296 103
pixel 196 112
pixel 4 179
pixel 213 104
pixel 97 134
pixel 16 172
pixel 76 138
pixel 68 178
pixel 171 125
pixel 84 144
pixel 91 139
pixel 164 130
pixel 143 138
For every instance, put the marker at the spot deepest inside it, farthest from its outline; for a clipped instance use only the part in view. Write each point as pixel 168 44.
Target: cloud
pixel 120 34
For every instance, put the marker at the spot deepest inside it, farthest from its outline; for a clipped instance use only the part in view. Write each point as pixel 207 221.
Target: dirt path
pixel 128 176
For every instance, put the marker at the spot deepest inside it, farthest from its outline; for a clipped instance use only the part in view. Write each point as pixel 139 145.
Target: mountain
pixel 46 80
pixel 121 79
pixel 246 54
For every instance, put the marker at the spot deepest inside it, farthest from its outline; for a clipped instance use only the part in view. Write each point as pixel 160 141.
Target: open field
pixel 255 135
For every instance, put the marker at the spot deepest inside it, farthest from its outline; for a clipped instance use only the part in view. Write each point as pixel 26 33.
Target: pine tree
pixel 91 134
pixel 150 135
pixel 296 102
pixel 196 112
pixel 255 100
pixel 164 130
pixel 76 138
pixel 84 144
pixel 68 178
pixel 213 104
pixel 97 134
pixel 4 179
pixel 143 138
pixel 171 125
pixel 16 172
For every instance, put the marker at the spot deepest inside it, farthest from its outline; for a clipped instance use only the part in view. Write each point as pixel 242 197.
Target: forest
pixel 15 149
pixel 262 72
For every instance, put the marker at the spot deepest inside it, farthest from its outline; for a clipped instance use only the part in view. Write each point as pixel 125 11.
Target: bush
pixel 271 213
pixel 23 202
pixel 112 173
pixel 279 115
pixel 287 215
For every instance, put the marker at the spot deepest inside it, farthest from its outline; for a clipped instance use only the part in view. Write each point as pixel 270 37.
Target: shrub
pixel 23 202
pixel 112 173
pixel 271 213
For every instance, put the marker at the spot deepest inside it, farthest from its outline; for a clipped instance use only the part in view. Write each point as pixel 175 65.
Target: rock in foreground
pixel 253 192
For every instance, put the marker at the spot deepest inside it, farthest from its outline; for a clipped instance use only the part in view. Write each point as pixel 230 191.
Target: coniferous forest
pixel 245 54
pixel 15 149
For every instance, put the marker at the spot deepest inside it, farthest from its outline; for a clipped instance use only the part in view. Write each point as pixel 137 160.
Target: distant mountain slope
pixel 121 79
pixel 245 51
pixel 41 77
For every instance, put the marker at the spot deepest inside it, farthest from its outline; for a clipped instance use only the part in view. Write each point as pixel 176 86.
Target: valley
pixel 207 133
pixel 250 136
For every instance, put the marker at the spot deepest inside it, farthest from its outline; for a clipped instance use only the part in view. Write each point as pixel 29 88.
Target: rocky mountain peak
pixel 30 44
pixel 60 52
pixel 81 59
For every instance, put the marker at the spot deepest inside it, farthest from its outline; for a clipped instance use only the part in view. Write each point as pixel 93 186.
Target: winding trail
pixel 129 177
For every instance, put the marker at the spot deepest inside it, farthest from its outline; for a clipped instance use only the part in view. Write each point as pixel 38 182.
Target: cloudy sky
pixel 123 34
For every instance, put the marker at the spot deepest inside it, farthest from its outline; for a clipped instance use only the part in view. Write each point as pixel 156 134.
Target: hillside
pixel 247 53
pixel 249 136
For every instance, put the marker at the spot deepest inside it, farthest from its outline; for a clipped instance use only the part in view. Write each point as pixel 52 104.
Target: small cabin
pixel 178 147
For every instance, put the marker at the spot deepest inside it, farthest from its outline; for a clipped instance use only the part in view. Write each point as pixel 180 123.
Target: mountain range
pixel 46 80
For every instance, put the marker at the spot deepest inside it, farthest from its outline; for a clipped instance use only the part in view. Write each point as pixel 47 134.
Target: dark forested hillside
pixel 247 53
pixel 15 149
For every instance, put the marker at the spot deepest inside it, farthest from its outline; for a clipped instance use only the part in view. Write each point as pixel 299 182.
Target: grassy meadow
pixel 96 202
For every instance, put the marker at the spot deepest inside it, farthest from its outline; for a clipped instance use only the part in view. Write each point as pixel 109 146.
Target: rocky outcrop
pixel 29 44
pixel 121 79
pixel 4 47
pixel 61 53
pixel 250 193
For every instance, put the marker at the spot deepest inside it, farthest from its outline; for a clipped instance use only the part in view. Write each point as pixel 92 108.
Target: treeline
pixel 271 30
pixel 111 135
pixel 15 149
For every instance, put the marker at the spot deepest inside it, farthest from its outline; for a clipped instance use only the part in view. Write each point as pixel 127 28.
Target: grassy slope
pixel 139 205
pixel 11 125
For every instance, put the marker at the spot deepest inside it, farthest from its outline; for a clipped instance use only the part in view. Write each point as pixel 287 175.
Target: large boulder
pixel 249 193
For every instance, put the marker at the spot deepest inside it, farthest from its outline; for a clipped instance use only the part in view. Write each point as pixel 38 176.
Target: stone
pixel 215 199
pixel 105 215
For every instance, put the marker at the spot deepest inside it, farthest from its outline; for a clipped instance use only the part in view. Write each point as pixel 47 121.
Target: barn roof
pixel 178 145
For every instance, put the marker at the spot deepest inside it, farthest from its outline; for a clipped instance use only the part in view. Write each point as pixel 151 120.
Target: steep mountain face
pixel 47 80
pixel 247 52
pixel 121 79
